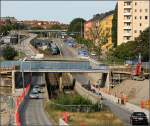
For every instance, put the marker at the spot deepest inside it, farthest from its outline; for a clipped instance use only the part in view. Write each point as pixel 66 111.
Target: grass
pixel 102 118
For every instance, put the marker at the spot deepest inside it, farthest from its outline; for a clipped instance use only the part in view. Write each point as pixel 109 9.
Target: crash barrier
pixel 6 69
pixel 127 105
pixel 62 122
pixel 86 94
pixel 76 108
pixel 119 97
pixel 19 100
pixel 145 104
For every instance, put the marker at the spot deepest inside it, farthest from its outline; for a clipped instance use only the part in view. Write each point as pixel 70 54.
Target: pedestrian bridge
pixel 71 66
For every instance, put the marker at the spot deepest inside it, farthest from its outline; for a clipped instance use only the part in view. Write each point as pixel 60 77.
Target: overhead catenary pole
pixel 22 76
pixel 81 29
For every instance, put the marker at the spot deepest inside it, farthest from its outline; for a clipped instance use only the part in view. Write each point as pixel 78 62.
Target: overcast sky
pixel 63 11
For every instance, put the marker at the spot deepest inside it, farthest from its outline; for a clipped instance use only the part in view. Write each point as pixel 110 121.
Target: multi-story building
pixel 106 26
pixel 133 18
pixel 87 30
pixel 100 27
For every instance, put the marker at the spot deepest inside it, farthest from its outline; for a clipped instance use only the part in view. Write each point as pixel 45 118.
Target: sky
pixel 62 11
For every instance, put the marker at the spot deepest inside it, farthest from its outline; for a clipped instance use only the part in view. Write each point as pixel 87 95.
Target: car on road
pixel 93 53
pixel 36 87
pixel 71 43
pixel 34 95
pixel 138 118
pixel 83 53
pixel 54 49
pixel 35 90
pixel 99 95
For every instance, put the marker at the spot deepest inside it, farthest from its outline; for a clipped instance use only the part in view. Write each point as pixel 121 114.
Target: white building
pixel 133 18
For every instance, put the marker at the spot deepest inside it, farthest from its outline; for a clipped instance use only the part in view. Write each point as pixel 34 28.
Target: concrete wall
pixel 85 93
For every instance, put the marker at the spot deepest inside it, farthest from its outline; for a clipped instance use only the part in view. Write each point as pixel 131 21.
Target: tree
pixel 131 49
pixel 99 36
pixel 9 53
pixel 55 27
pixel 114 26
pixel 76 25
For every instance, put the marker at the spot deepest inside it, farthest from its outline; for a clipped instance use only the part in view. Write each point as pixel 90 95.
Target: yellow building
pixel 105 26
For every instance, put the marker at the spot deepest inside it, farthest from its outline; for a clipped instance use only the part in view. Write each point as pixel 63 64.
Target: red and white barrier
pixel 19 100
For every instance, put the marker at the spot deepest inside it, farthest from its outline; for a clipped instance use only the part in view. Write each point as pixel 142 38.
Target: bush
pixel 9 53
pixel 74 103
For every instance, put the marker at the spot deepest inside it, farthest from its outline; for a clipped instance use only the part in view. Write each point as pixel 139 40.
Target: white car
pixel 35 91
pixel 37 88
pixel 34 95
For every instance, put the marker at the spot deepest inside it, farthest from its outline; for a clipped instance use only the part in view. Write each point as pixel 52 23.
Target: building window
pixel 135 31
pixel 146 17
pixel 135 3
pixel 140 10
pixel 135 10
pixel 146 10
pixel 128 38
pixel 126 10
pixel 140 17
pixel 127 3
pixel 127 23
pixel 140 24
pixel 135 17
pixel 140 31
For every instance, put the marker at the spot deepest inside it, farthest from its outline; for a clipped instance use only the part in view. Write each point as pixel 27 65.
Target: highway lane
pixel 25 47
pixel 33 112
pixel 117 109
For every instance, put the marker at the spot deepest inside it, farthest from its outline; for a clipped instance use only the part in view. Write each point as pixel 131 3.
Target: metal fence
pixel 76 108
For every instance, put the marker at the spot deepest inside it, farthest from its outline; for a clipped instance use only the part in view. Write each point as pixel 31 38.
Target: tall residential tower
pixel 133 18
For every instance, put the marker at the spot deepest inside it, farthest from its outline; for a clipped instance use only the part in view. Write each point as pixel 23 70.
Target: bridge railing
pixel 35 65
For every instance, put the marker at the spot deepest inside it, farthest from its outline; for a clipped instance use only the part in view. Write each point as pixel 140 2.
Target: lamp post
pixel 22 76
pixel 81 30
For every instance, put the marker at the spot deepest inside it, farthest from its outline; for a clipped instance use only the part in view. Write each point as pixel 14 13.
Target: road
pixel 33 112
pixel 25 47
pixel 117 109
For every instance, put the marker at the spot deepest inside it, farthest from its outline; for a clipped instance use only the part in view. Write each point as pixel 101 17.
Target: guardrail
pixel 19 102
pixel 86 94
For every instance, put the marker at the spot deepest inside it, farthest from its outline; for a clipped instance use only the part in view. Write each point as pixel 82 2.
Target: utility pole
pixel 81 30
pixel 22 76
pixel 19 42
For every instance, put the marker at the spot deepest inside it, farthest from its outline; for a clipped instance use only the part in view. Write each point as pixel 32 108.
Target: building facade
pixel 87 30
pixel 133 18
pixel 100 28
pixel 106 26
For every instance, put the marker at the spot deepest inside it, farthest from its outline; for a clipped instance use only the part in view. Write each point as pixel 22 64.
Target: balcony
pixel 128 6
pixel 127 34
pixel 127 27
pixel 127 20
pixel 127 13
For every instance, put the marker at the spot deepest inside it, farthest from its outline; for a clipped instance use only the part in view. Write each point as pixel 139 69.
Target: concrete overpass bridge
pixel 50 66
pixel 51 33
pixel 55 65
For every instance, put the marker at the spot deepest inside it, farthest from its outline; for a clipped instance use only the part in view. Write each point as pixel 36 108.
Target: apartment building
pixel 106 27
pixel 133 18
pixel 101 26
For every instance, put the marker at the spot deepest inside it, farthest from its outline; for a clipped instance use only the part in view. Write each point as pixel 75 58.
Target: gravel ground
pixel 135 90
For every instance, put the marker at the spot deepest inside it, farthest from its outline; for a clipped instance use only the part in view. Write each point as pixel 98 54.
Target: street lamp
pixel 22 76
pixel 81 29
